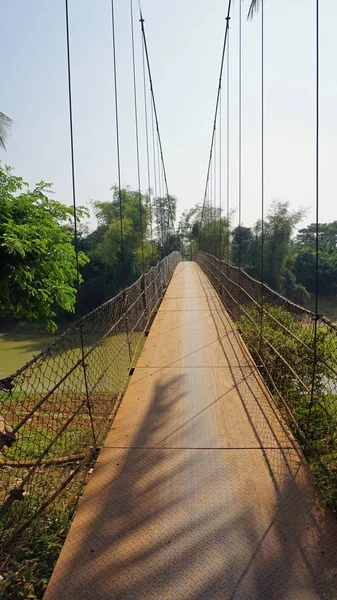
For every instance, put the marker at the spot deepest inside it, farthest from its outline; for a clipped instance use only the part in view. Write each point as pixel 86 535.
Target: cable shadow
pixel 173 523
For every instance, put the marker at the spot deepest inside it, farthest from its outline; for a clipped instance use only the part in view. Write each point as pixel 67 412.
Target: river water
pixel 18 347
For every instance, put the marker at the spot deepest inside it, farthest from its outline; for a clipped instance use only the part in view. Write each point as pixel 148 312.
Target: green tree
pixel 164 212
pixel 5 123
pixel 304 252
pixel 171 243
pixel 278 230
pixel 135 226
pixel 327 236
pixel 109 268
pixel 37 257
pixel 243 248
pixel 207 231
pixel 185 231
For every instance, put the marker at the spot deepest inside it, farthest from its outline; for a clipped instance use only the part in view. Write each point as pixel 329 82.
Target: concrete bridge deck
pixel 200 491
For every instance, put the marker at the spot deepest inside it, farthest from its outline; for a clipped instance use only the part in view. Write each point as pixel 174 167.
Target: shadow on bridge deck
pixel 200 490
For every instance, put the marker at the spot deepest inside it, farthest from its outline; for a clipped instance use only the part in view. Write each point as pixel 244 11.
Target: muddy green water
pixel 17 348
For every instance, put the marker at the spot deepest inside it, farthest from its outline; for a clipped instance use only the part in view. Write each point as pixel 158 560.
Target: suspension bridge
pixel 182 408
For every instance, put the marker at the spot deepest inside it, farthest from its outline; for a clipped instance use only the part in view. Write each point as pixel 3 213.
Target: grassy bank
pixel 26 568
pixel 27 565
pixel 285 355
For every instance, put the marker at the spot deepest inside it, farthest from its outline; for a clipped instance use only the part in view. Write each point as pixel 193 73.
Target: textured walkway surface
pixel 200 491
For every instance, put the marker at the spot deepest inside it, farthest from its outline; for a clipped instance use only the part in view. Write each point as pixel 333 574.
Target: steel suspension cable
pixel 73 180
pixel 156 118
pixel 217 103
pixel 137 135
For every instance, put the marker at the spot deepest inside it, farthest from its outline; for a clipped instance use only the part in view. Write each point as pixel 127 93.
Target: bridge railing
pixel 57 409
pixel 298 364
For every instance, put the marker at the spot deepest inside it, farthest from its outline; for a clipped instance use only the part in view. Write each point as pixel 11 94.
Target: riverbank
pixel 18 347
pixel 20 342
pixel 327 306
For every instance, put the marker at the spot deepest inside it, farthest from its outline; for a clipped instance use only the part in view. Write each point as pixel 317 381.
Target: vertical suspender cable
pixel 117 141
pixel 262 175
pixel 154 164
pixel 214 193
pixel 317 164
pixel 210 212
pixel 160 173
pixel 72 155
pixel 158 167
pixel 227 149
pixel 154 154
pixel 240 147
pixel 317 221
pixel 161 195
pixel 220 176
pixel 137 135
pixel 147 150
pixel 119 170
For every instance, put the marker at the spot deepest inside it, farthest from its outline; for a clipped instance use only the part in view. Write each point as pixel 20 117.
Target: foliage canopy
pixel 37 257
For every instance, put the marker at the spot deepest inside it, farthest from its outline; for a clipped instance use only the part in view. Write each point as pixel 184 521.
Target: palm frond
pixel 254 6
pixel 5 123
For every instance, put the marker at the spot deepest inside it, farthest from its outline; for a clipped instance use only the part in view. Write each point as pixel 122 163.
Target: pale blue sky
pixel 185 40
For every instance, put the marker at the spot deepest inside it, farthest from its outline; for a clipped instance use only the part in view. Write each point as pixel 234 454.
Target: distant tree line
pixel 289 255
pixel 38 277
pixel 148 236
pixel 38 274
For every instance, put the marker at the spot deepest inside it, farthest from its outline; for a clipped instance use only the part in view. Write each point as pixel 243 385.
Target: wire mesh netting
pixel 57 409
pixel 297 356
